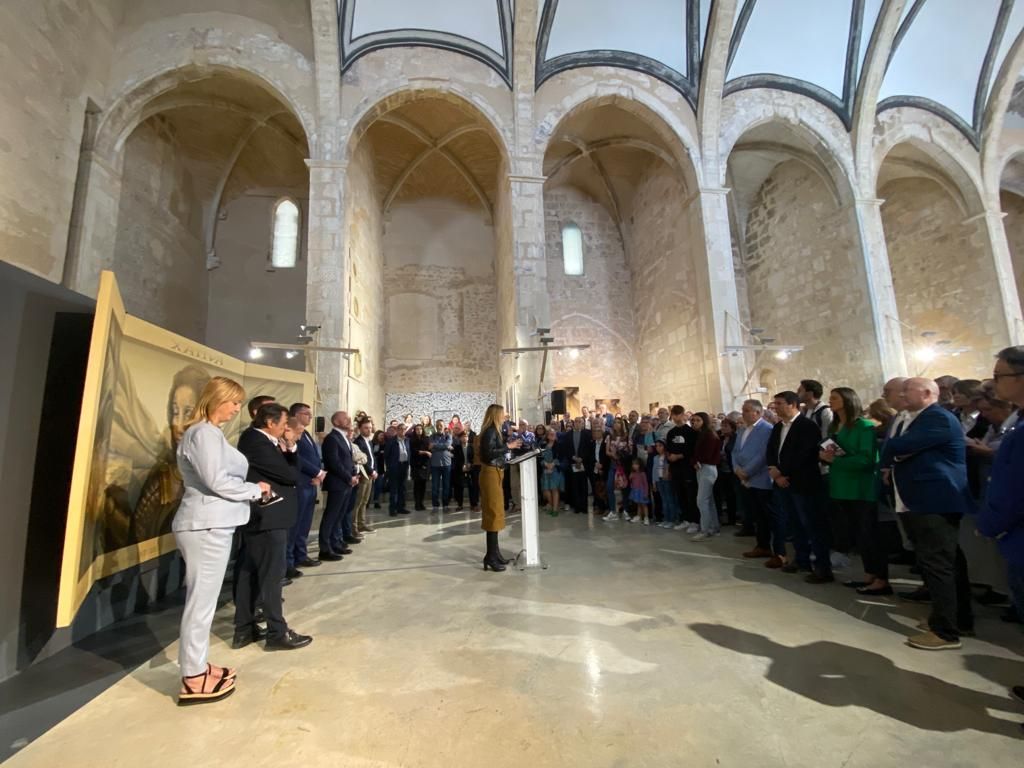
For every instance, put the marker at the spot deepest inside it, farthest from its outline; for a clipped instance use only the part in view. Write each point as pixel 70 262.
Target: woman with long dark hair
pixel 853 456
pixel 491 449
pixel 419 465
pixel 706 456
pixel 377 443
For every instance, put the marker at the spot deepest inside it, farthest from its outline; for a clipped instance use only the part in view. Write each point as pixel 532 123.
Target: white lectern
pixel 529 557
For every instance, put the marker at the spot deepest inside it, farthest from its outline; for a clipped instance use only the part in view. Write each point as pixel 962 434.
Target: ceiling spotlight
pixel 291 354
pixel 925 354
pixel 782 354
pixel 574 353
pixel 255 353
pixel 307 329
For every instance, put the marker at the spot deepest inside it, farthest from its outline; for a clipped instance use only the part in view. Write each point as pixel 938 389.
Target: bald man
pixel 927 463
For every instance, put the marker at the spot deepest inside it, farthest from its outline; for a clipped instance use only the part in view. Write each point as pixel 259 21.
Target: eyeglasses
pixel 998 376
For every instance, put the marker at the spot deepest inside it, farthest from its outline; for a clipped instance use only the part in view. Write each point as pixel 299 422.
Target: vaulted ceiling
pixel 946 56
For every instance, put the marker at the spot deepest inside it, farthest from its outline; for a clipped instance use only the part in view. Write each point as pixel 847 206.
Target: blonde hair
pixel 493 417
pixel 218 390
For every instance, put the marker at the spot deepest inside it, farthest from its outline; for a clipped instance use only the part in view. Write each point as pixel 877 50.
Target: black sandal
pixel 224 688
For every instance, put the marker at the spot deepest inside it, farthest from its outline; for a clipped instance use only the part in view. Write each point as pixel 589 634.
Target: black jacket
pixel 492 448
pixel 463 456
pixel 268 464
pixel 565 450
pixel 798 459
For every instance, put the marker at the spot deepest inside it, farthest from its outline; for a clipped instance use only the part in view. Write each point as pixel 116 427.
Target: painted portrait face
pixel 183 404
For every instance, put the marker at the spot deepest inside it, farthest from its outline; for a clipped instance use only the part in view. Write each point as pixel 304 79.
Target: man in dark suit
pixel 926 462
pixel 311 475
pixel 340 480
pixel 396 459
pixel 272 459
pixel 792 458
pixel 575 452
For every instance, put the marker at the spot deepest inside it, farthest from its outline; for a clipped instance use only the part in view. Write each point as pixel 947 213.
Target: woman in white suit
pixel 215 502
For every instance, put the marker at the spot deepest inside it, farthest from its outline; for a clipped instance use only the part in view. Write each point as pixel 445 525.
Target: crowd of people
pixel 921 476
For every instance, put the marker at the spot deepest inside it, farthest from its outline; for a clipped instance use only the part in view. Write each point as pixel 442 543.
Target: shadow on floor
pixel 837 675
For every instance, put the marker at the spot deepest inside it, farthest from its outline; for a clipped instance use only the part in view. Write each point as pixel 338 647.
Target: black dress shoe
pixel 919 595
pixel 345 551
pixel 353 539
pixel 293 573
pixel 330 556
pixel 247 635
pixel 286 582
pixel 289 641
pixel 820 578
pixel 404 512
pixel 307 563
pixel 875 592
pixel 392 514
pixel 794 568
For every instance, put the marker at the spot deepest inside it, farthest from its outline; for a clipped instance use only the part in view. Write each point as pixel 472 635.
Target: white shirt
pixel 905 418
pixel 785 431
pixel 344 437
pixel 403 455
pixel 276 442
pixel 746 432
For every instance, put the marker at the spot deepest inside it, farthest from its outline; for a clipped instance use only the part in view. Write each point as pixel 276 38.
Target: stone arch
pixel 673 130
pixel 163 54
pixel 813 123
pixel 951 152
pixel 370 109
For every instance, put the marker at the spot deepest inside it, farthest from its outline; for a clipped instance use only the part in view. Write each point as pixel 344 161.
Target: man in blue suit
pixel 340 480
pixel 396 459
pixel 926 462
pixel 311 474
pixel 1002 515
pixel 749 461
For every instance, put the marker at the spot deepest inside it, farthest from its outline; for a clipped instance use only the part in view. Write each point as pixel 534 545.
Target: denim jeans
pixel 706 477
pixel 810 528
pixel 669 503
pixel 440 483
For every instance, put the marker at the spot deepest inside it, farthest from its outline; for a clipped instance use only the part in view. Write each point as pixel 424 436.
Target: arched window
pixel 572 249
pixel 284 252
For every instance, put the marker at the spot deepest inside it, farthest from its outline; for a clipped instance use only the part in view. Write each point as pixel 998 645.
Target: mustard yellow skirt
pixel 492 499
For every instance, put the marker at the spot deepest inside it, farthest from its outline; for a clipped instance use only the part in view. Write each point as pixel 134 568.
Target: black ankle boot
pixel 493 559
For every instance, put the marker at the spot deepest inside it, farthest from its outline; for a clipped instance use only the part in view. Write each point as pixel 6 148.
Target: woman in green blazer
pixel 852 454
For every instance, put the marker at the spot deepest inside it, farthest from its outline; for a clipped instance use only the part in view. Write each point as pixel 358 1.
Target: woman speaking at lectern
pixel 491 449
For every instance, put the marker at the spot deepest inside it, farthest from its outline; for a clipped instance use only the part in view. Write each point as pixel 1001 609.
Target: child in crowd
pixel 663 486
pixel 639 493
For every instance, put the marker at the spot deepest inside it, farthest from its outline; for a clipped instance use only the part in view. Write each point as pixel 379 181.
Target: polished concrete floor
pixel 635 648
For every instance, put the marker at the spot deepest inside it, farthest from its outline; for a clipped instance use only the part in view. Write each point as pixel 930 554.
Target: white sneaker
pixel 645 521
pixel 681 527
pixel 667 526
pixel 610 516
pixel 693 528
pixel 627 518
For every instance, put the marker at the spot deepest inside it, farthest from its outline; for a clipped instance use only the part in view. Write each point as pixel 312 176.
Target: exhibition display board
pixel 141 385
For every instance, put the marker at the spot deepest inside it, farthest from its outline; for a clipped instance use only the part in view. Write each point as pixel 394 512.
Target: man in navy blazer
pixel 311 475
pixel 340 480
pixel 750 463
pixel 927 463
pixel 396 459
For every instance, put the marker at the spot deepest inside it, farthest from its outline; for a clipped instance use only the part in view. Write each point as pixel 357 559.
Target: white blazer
pixel 216 492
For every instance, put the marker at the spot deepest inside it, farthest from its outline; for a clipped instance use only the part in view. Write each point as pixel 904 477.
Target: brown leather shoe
pixel 774 562
pixel 758 552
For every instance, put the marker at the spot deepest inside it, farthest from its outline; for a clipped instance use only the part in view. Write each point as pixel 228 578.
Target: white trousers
pixel 206 555
pixel 706 477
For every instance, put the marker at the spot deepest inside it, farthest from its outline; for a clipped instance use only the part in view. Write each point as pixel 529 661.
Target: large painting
pixel 142 387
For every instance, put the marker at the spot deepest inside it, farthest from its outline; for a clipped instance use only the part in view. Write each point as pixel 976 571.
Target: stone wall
pixel 1013 206
pixel 806 283
pixel 247 302
pixel 365 321
pixel 594 308
pixel 669 351
pixel 290 19
pixel 158 255
pixel 55 56
pixel 441 325
pixel 944 278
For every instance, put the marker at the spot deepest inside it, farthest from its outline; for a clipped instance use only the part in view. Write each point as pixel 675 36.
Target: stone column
pixel 995 234
pixel 526 181
pixel 725 373
pixel 881 293
pixel 326 286
pixel 94 235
